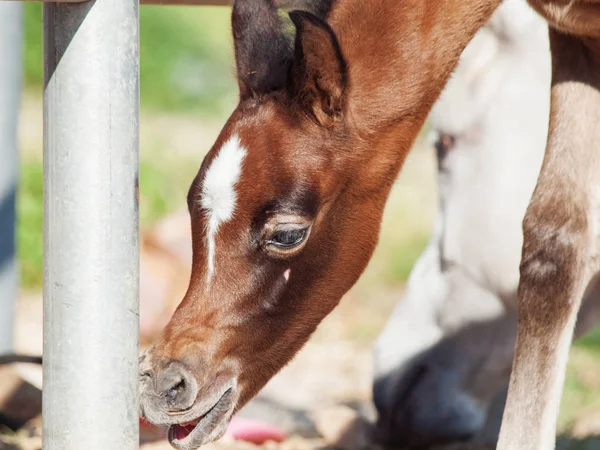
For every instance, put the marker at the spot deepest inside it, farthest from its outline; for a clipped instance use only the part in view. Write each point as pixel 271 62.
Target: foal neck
pixel 400 54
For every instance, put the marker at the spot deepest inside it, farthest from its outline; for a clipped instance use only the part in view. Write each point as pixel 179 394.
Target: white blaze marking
pixel 218 191
pixel 286 274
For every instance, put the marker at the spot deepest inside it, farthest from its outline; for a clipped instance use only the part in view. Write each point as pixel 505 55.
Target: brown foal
pixel 286 208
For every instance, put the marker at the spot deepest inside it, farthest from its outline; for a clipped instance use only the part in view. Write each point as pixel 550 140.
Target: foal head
pixel 285 213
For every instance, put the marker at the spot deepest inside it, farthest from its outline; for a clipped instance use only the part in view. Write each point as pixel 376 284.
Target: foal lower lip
pixel 182 431
pixel 190 423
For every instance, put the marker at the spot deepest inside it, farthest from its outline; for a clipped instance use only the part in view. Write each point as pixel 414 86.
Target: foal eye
pixel 288 238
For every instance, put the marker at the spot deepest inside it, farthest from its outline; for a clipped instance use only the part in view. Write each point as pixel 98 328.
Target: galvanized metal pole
pixel 91 237
pixel 11 37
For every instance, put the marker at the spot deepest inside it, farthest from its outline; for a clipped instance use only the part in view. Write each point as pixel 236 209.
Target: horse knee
pixel 555 245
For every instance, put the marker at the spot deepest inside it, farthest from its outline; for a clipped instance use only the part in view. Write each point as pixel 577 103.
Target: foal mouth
pixel 208 427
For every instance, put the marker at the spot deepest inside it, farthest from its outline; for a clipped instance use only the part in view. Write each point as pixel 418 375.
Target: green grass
pixel 185 57
pixel 163 187
pixel 581 395
pixel 591 341
pixel 406 254
pixel 29 229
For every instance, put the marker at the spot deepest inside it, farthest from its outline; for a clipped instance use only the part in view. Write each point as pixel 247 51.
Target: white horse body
pixel 457 319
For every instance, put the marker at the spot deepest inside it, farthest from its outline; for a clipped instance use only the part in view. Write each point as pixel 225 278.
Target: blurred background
pixel 187 92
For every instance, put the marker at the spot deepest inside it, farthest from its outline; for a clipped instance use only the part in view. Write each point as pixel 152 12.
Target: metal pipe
pixel 91 225
pixel 11 37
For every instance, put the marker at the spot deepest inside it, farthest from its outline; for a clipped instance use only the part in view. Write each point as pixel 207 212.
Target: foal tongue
pixel 182 431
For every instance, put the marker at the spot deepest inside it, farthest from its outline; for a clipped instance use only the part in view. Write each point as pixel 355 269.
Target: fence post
pixel 11 37
pixel 91 225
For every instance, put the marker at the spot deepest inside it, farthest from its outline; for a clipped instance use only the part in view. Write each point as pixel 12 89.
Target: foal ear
pixel 263 52
pixel 318 72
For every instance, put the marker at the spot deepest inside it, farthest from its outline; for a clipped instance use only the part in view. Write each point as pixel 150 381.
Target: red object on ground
pixel 254 431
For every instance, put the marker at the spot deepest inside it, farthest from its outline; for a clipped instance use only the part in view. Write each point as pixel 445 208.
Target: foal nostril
pixel 173 392
pixel 177 386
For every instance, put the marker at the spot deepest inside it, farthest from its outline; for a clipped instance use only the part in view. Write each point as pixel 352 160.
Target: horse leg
pixel 559 250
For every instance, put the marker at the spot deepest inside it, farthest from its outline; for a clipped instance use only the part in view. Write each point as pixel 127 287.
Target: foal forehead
pixel 220 180
pixel 260 157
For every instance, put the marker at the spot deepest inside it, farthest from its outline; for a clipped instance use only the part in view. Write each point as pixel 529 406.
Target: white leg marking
pixel 218 192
